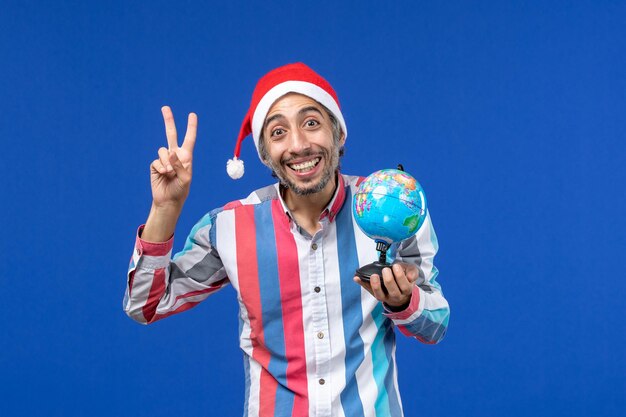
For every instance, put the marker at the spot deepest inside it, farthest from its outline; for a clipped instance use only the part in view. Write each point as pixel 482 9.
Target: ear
pixel 263 155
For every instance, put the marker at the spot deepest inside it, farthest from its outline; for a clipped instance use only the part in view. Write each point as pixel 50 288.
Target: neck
pixel 307 208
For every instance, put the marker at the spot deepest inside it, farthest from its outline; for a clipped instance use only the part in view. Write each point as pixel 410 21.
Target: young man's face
pixel 298 137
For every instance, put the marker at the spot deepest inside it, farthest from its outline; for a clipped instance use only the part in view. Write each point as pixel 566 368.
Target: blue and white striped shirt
pixel 314 342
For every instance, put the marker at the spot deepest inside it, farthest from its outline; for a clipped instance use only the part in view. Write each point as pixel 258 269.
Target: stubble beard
pixel 331 161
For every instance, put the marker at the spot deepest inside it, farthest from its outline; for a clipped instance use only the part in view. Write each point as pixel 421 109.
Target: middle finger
pixel 390 283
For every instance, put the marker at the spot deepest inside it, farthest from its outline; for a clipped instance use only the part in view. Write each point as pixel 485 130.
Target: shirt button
pixel 320 335
pixel 314 246
pixel 321 381
pixel 317 289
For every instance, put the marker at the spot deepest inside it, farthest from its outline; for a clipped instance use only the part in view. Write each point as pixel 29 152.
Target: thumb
pixel 183 174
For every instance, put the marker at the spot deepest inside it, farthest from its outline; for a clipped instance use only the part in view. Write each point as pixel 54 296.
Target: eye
pixel 277 132
pixel 311 123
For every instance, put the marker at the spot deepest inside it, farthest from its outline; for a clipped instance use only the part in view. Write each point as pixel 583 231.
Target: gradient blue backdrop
pixel 510 114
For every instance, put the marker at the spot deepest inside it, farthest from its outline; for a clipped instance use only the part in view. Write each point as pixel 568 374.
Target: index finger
pixel 170 127
pixel 190 135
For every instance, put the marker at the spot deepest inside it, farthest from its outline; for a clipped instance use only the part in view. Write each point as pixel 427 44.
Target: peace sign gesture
pixel 170 174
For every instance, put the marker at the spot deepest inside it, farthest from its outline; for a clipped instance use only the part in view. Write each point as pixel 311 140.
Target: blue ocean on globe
pixel 389 205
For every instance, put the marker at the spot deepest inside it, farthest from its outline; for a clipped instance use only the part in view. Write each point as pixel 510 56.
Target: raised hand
pixel 170 173
pixel 170 178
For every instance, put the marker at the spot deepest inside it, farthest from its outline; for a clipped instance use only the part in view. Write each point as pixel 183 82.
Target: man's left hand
pixel 398 280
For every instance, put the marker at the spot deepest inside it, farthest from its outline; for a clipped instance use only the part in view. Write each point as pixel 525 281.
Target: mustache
pixel 304 154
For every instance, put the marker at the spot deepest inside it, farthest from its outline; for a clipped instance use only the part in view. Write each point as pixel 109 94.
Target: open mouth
pixel 307 166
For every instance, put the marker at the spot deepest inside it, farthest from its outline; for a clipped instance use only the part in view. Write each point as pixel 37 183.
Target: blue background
pixel 510 114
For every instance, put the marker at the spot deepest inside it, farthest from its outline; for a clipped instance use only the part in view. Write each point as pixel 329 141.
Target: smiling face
pixel 298 143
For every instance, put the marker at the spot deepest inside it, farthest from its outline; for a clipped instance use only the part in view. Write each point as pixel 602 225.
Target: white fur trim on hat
pixel 302 87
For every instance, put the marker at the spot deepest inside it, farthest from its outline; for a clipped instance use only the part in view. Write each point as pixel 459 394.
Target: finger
pixel 377 289
pixel 190 135
pixel 412 273
pixel 158 167
pixel 403 282
pixel 164 157
pixel 170 127
pixel 358 281
pixel 390 283
pixel 183 174
pixel 363 284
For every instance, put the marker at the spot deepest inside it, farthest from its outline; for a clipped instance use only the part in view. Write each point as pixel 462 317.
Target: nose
pixel 299 141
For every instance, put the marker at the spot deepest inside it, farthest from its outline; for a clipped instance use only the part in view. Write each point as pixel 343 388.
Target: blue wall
pixel 510 114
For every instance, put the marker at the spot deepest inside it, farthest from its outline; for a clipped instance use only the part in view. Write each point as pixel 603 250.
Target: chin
pixel 305 188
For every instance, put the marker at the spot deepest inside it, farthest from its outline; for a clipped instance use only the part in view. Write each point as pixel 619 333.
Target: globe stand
pixel 366 271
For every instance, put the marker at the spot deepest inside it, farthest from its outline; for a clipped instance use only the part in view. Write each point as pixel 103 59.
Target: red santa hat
pixel 291 78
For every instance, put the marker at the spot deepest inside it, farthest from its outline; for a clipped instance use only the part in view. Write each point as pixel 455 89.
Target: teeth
pixel 304 166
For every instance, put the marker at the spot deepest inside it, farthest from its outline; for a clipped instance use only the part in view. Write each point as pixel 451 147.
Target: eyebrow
pixel 300 113
pixel 308 109
pixel 271 119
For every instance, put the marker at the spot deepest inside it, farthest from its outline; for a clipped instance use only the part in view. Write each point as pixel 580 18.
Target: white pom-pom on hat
pixel 290 78
pixel 235 168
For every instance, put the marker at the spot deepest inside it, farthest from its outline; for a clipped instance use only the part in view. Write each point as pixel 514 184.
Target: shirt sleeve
pixel 426 317
pixel 158 285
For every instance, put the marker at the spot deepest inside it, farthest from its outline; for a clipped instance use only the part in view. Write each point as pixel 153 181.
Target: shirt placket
pixel 320 325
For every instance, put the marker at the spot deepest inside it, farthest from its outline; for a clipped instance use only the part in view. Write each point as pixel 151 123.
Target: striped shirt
pixel 314 342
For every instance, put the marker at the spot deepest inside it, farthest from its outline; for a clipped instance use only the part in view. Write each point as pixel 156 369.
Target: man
pixel 315 343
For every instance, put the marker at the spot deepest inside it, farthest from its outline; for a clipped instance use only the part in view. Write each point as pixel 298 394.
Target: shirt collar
pixel 333 207
pixel 337 201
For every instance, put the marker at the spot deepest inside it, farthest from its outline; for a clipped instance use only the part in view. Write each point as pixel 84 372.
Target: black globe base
pixel 366 271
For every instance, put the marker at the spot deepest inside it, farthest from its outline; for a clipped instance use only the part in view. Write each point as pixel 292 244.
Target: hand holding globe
pixel 389 206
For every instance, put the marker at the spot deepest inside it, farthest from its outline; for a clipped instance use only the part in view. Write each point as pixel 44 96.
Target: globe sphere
pixel 389 205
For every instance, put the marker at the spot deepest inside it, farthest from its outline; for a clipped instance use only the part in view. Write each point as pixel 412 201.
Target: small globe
pixel 389 206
